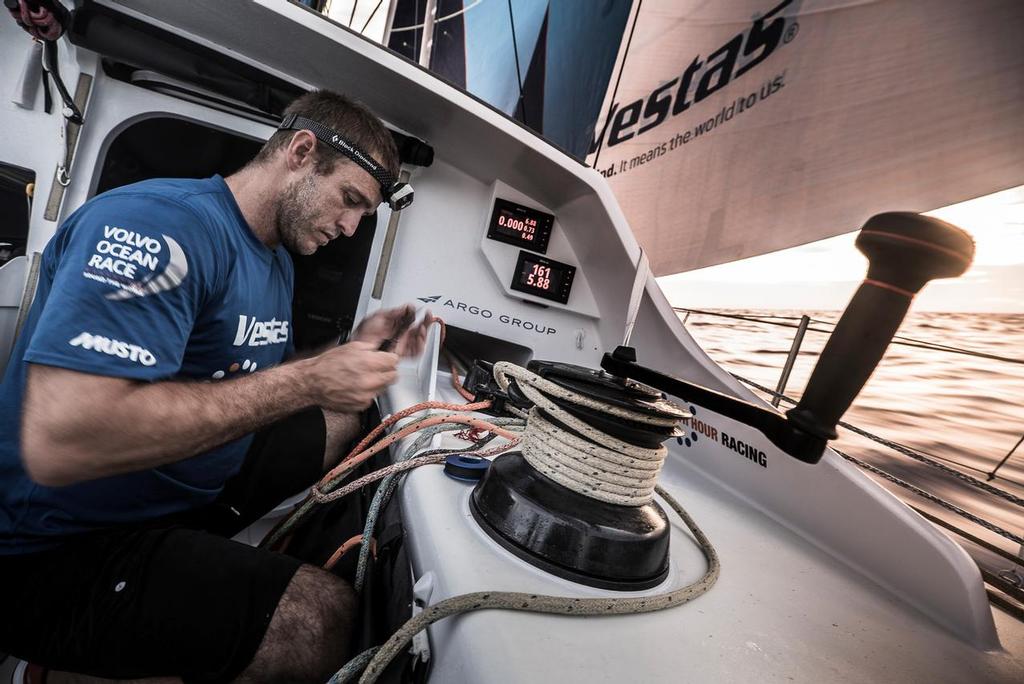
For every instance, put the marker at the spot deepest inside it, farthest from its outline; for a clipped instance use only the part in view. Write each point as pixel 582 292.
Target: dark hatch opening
pixel 14 209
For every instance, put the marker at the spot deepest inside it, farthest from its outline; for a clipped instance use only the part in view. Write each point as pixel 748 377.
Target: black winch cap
pixel 621 392
pixel 615 391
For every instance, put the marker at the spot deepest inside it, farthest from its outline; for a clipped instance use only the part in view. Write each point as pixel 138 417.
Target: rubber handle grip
pixel 905 251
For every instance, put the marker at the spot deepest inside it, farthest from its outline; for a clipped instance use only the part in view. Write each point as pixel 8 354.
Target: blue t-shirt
pixel 158 280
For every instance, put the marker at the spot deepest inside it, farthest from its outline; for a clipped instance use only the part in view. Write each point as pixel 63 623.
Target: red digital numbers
pixel 524 227
pixel 543 277
pixel 539 277
pixel 515 224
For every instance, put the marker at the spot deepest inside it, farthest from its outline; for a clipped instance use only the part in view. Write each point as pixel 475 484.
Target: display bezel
pixel 564 283
pixel 545 225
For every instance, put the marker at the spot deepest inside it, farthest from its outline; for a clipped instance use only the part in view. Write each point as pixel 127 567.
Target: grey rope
pixel 353 667
pixel 907 451
pixel 390 484
pixel 316 493
pixel 380 500
pixel 559 605
pixel 401 466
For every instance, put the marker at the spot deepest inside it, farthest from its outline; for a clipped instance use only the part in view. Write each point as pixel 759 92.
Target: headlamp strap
pixel 346 147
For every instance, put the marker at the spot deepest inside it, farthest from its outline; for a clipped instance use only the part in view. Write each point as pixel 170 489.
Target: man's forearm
pixel 138 425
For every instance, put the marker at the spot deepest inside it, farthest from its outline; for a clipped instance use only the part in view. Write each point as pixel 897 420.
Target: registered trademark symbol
pixel 791 32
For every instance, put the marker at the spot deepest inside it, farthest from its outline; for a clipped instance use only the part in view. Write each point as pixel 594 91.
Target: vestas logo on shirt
pixel 260 333
pixel 740 54
pixel 105 345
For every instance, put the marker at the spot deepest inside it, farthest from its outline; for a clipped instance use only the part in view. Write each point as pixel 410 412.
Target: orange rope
pixel 401 466
pixel 352 460
pixel 444 328
pixel 451 363
pixel 405 413
pixel 362 451
pixel 456 383
pixel 348 546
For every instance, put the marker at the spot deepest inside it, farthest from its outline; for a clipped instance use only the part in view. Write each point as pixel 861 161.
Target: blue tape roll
pixel 466 468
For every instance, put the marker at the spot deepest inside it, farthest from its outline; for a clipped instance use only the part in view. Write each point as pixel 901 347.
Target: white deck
pixel 782 610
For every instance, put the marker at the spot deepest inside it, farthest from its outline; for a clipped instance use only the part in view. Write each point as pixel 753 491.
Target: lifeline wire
pixel 953 508
pixel 897 339
pixel 906 451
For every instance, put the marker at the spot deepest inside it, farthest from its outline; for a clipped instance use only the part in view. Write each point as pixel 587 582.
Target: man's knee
pixel 340 429
pixel 309 633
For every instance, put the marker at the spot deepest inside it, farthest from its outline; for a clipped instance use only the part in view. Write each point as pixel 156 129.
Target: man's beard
pixel 296 211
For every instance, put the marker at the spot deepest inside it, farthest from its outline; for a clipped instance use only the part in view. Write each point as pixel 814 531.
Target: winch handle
pixel 904 251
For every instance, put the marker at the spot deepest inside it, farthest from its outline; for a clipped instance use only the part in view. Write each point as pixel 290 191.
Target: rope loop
pixel 621 473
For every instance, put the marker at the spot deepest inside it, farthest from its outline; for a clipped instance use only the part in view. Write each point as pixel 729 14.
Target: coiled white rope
pixel 624 474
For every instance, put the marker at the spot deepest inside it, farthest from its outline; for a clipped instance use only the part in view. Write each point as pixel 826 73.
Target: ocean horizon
pixel 936 391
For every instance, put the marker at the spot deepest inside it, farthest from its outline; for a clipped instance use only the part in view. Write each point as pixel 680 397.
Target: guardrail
pixel 1005 587
pixel 803 325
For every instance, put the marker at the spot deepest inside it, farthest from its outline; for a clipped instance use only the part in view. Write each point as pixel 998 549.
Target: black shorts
pixel 171 598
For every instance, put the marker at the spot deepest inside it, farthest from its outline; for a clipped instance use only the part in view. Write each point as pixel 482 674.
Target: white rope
pixel 624 474
pixel 503 370
pixel 558 605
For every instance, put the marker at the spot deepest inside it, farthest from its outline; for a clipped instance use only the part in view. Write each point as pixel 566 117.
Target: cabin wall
pixel 31 140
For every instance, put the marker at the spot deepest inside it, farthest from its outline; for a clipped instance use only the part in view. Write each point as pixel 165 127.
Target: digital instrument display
pixel 520 226
pixel 543 277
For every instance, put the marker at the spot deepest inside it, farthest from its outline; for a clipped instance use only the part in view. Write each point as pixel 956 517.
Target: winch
pixel 577 499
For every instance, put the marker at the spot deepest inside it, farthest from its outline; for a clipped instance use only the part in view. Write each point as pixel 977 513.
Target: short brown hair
pixel 347 117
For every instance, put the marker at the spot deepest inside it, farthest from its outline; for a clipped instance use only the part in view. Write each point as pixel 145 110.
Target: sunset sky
pixel 823 275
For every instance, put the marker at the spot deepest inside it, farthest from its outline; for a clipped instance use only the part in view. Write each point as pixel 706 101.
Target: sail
pixel 739 127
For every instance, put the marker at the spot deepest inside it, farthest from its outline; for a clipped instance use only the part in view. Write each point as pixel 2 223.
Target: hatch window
pixel 16 188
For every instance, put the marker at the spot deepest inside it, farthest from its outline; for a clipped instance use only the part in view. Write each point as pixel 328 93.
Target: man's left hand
pixel 387 324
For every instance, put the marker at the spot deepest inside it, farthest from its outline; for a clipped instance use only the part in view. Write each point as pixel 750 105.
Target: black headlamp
pixel 398 195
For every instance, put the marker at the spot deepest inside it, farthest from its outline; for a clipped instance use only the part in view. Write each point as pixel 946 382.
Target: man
pixel 131 399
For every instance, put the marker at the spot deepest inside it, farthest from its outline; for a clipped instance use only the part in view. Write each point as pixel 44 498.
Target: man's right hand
pixel 349 377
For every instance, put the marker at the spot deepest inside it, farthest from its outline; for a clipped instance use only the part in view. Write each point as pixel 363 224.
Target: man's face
pixel 315 208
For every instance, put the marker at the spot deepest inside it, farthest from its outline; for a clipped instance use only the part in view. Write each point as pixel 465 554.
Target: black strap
pixel 71 111
pixel 47 96
pixel 346 147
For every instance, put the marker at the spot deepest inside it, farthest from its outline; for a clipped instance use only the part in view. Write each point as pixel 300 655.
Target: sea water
pixel 963 409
